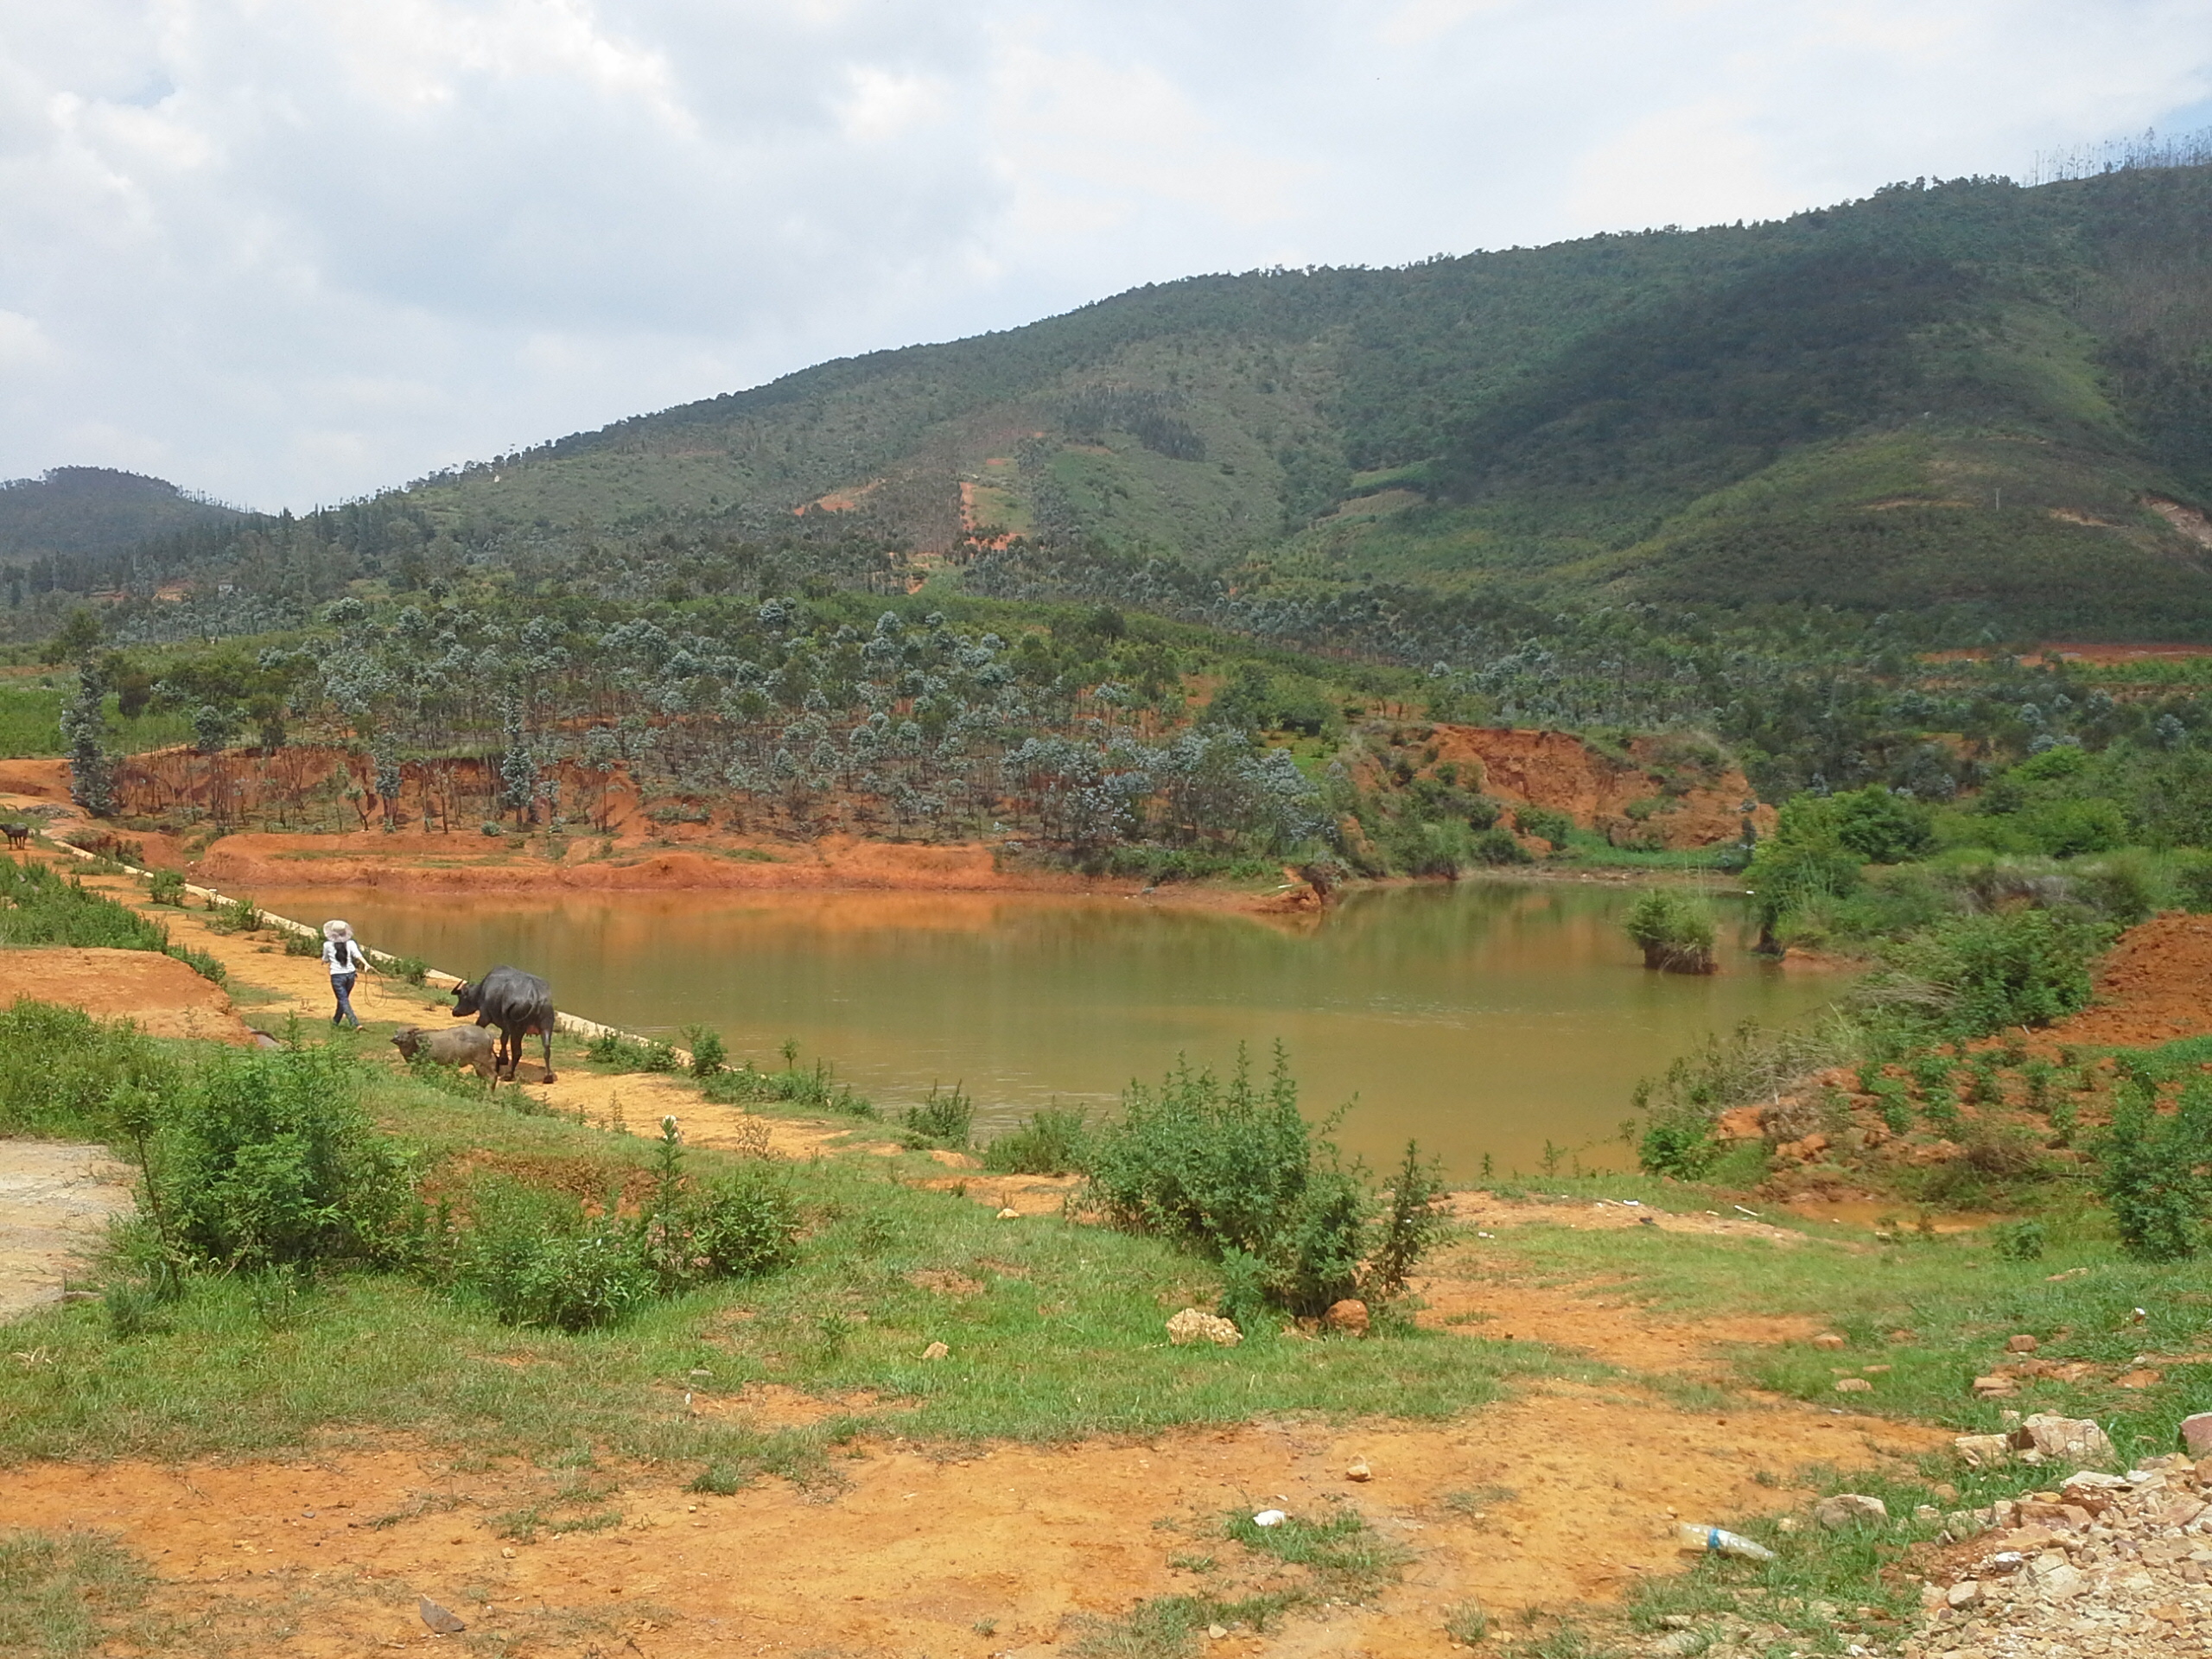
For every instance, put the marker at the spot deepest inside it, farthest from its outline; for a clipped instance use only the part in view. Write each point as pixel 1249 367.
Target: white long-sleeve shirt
pixel 343 957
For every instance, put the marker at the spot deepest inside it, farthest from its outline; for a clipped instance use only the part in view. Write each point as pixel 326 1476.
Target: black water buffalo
pixel 18 835
pixel 518 1003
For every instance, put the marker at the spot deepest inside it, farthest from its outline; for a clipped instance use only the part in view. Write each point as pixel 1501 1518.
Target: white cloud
pixel 291 249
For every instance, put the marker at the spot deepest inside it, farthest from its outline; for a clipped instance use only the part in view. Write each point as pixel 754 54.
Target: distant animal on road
pixel 19 836
pixel 518 1004
pixel 461 1046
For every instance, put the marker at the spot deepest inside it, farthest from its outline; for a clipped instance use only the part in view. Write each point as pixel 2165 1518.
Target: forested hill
pixel 1982 407
pixel 81 512
pixel 1970 392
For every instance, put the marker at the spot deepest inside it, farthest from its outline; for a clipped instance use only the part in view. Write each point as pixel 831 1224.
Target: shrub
pixel 2018 1241
pixel 1231 1171
pixel 630 1054
pixel 535 1258
pixel 1544 822
pixel 1675 934
pixel 1051 1142
pixel 1969 975
pixel 708 1054
pixel 2193 885
pixel 746 1225
pixel 2121 888
pixel 166 888
pixel 303 944
pixel 265 1158
pixel 413 969
pixel 539 1258
pixel 238 916
pixel 943 1120
pixel 2150 1170
pixel 63 1073
pixel 1498 845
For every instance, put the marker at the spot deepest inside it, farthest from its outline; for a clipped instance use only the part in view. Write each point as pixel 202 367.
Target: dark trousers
pixel 341 987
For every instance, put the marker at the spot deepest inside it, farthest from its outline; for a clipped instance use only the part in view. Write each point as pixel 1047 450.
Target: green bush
pixel 629 1053
pixel 2123 889
pixel 1231 1170
pixel 535 1258
pixel 1970 975
pixel 1544 822
pixel 540 1258
pixel 166 888
pixel 2018 1241
pixel 2193 885
pixel 945 1119
pixel 709 1054
pixel 745 1225
pixel 1498 845
pixel 64 1073
pixel 238 916
pixel 1051 1142
pixel 414 970
pixel 1674 933
pixel 2151 1170
pixel 264 1157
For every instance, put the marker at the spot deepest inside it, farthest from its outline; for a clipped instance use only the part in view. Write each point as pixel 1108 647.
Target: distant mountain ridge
pixel 1970 394
pixel 1969 398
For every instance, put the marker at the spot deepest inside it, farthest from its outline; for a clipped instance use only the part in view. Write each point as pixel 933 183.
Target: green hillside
pixel 1972 394
pixel 1983 409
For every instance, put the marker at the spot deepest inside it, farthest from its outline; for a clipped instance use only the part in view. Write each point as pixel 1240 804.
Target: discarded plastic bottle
pixel 1715 1541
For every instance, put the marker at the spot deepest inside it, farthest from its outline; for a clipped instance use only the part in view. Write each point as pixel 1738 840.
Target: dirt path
pixel 1565 1494
pixel 56 1202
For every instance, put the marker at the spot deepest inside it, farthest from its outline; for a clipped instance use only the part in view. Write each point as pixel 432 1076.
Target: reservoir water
pixel 1483 1018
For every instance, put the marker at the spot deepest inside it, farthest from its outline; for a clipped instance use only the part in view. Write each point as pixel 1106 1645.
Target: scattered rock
pixel 2140 1378
pixel 1359 1471
pixel 1995 1387
pixel 1846 1509
pixel 1196 1325
pixel 1348 1316
pixel 1829 1340
pixel 1853 1385
pixel 936 1351
pixel 1009 1214
pixel 2022 1344
pixel 2196 1433
pixel 1215 1632
pixel 444 1622
pixel 1983 1451
pixel 2084 1570
pixel 2065 1439
pixel 1270 1518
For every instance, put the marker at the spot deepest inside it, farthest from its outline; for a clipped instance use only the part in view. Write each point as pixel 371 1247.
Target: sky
pixel 286 252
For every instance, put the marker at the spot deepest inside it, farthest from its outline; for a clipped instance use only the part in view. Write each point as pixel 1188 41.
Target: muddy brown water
pixel 1482 1018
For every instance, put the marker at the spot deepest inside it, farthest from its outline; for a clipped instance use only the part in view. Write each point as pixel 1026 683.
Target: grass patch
pixel 1065 1339
pixel 67 1594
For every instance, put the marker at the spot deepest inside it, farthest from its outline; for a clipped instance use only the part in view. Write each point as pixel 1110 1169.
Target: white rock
pixel 1270 1518
pixel 1196 1325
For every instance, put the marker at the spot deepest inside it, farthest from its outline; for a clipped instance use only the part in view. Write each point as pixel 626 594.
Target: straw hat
pixel 336 931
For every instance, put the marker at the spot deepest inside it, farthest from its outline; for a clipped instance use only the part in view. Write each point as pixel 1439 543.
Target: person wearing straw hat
pixel 345 959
